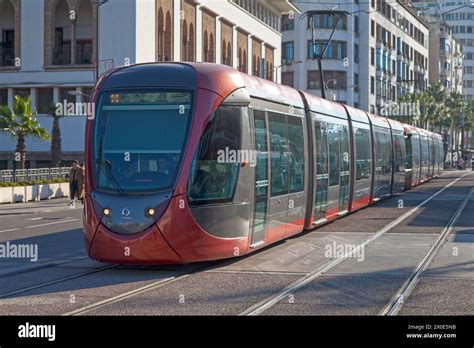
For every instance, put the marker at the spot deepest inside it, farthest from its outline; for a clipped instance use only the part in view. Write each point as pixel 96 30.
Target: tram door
pixel 344 170
pixel 261 179
pixel 321 170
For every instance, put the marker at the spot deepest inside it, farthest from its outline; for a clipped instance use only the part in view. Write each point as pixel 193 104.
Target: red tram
pixel 188 162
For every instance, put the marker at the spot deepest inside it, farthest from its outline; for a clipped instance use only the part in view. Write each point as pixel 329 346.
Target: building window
pixel 72 39
pixel 287 23
pixel 287 78
pixel 328 21
pixel 164 35
pixel 3 97
pixel 335 50
pixel 356 82
pixel 372 56
pixel 372 28
pixel 208 47
pixel 7 47
pixel 356 25
pixel 288 50
pixel 44 100
pixel 372 85
pixel 356 53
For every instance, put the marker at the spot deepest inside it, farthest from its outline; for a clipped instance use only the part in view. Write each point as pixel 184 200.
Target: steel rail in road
pixel 140 290
pixel 269 302
pixel 400 297
pixel 56 281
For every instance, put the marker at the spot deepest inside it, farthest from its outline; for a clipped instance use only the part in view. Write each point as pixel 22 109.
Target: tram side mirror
pixel 239 97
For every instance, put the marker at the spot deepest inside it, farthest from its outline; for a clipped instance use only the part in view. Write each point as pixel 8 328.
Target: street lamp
pixel 97 4
pixel 76 93
pixel 335 85
pixel 293 62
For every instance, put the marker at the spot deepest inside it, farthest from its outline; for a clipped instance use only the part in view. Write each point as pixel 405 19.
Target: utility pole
pixel 97 4
pixel 462 133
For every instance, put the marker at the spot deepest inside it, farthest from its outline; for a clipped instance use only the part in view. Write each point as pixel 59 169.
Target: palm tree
pixel 437 111
pixel 455 105
pixel 55 137
pixel 20 122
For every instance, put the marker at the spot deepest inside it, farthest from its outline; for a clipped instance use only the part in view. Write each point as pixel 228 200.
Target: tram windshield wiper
pixel 107 170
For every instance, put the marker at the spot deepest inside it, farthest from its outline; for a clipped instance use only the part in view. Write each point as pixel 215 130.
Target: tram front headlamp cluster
pixel 150 212
pixel 106 212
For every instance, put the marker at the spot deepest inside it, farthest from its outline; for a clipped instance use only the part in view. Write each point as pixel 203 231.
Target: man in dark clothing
pixel 76 182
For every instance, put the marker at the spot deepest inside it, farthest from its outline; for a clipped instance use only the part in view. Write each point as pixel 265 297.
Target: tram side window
pixel 333 140
pixel 415 144
pixel 424 151
pixel 214 172
pixel 321 136
pixel 382 152
pixel 440 153
pixel 363 155
pixel 280 154
pixel 432 152
pixel 408 157
pixel 321 147
pixel 344 137
pixel 398 155
pixel 296 142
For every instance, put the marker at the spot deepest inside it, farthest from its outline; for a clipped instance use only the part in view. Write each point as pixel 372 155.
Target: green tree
pixel 438 116
pixel 20 122
pixel 56 151
pixel 455 106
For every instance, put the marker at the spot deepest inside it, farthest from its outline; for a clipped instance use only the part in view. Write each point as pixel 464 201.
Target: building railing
pixel 62 53
pixel 10 175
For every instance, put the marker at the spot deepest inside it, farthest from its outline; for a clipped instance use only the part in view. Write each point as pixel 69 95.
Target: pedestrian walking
pixel 76 183
pixel 461 163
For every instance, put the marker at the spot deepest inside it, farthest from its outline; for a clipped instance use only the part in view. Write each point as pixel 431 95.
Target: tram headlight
pixel 106 212
pixel 150 212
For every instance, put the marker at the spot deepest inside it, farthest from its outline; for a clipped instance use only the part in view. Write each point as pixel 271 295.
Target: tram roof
pixel 150 75
pixel 220 79
pixel 396 125
pixel 324 106
pixel 379 121
pixel 357 114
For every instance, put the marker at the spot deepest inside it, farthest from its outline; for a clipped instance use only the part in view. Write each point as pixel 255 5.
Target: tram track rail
pixel 272 300
pixel 269 302
pixel 42 266
pixel 140 290
pixel 401 296
pixel 56 281
pixel 259 307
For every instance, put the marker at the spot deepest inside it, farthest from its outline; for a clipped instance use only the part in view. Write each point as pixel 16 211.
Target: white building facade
pixel 459 14
pixel 379 51
pixel 48 48
pixel 446 57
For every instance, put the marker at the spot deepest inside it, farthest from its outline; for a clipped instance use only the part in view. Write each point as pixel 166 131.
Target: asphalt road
pixel 303 275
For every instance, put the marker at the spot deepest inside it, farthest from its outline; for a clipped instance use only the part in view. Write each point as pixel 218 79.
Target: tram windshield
pixel 139 139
